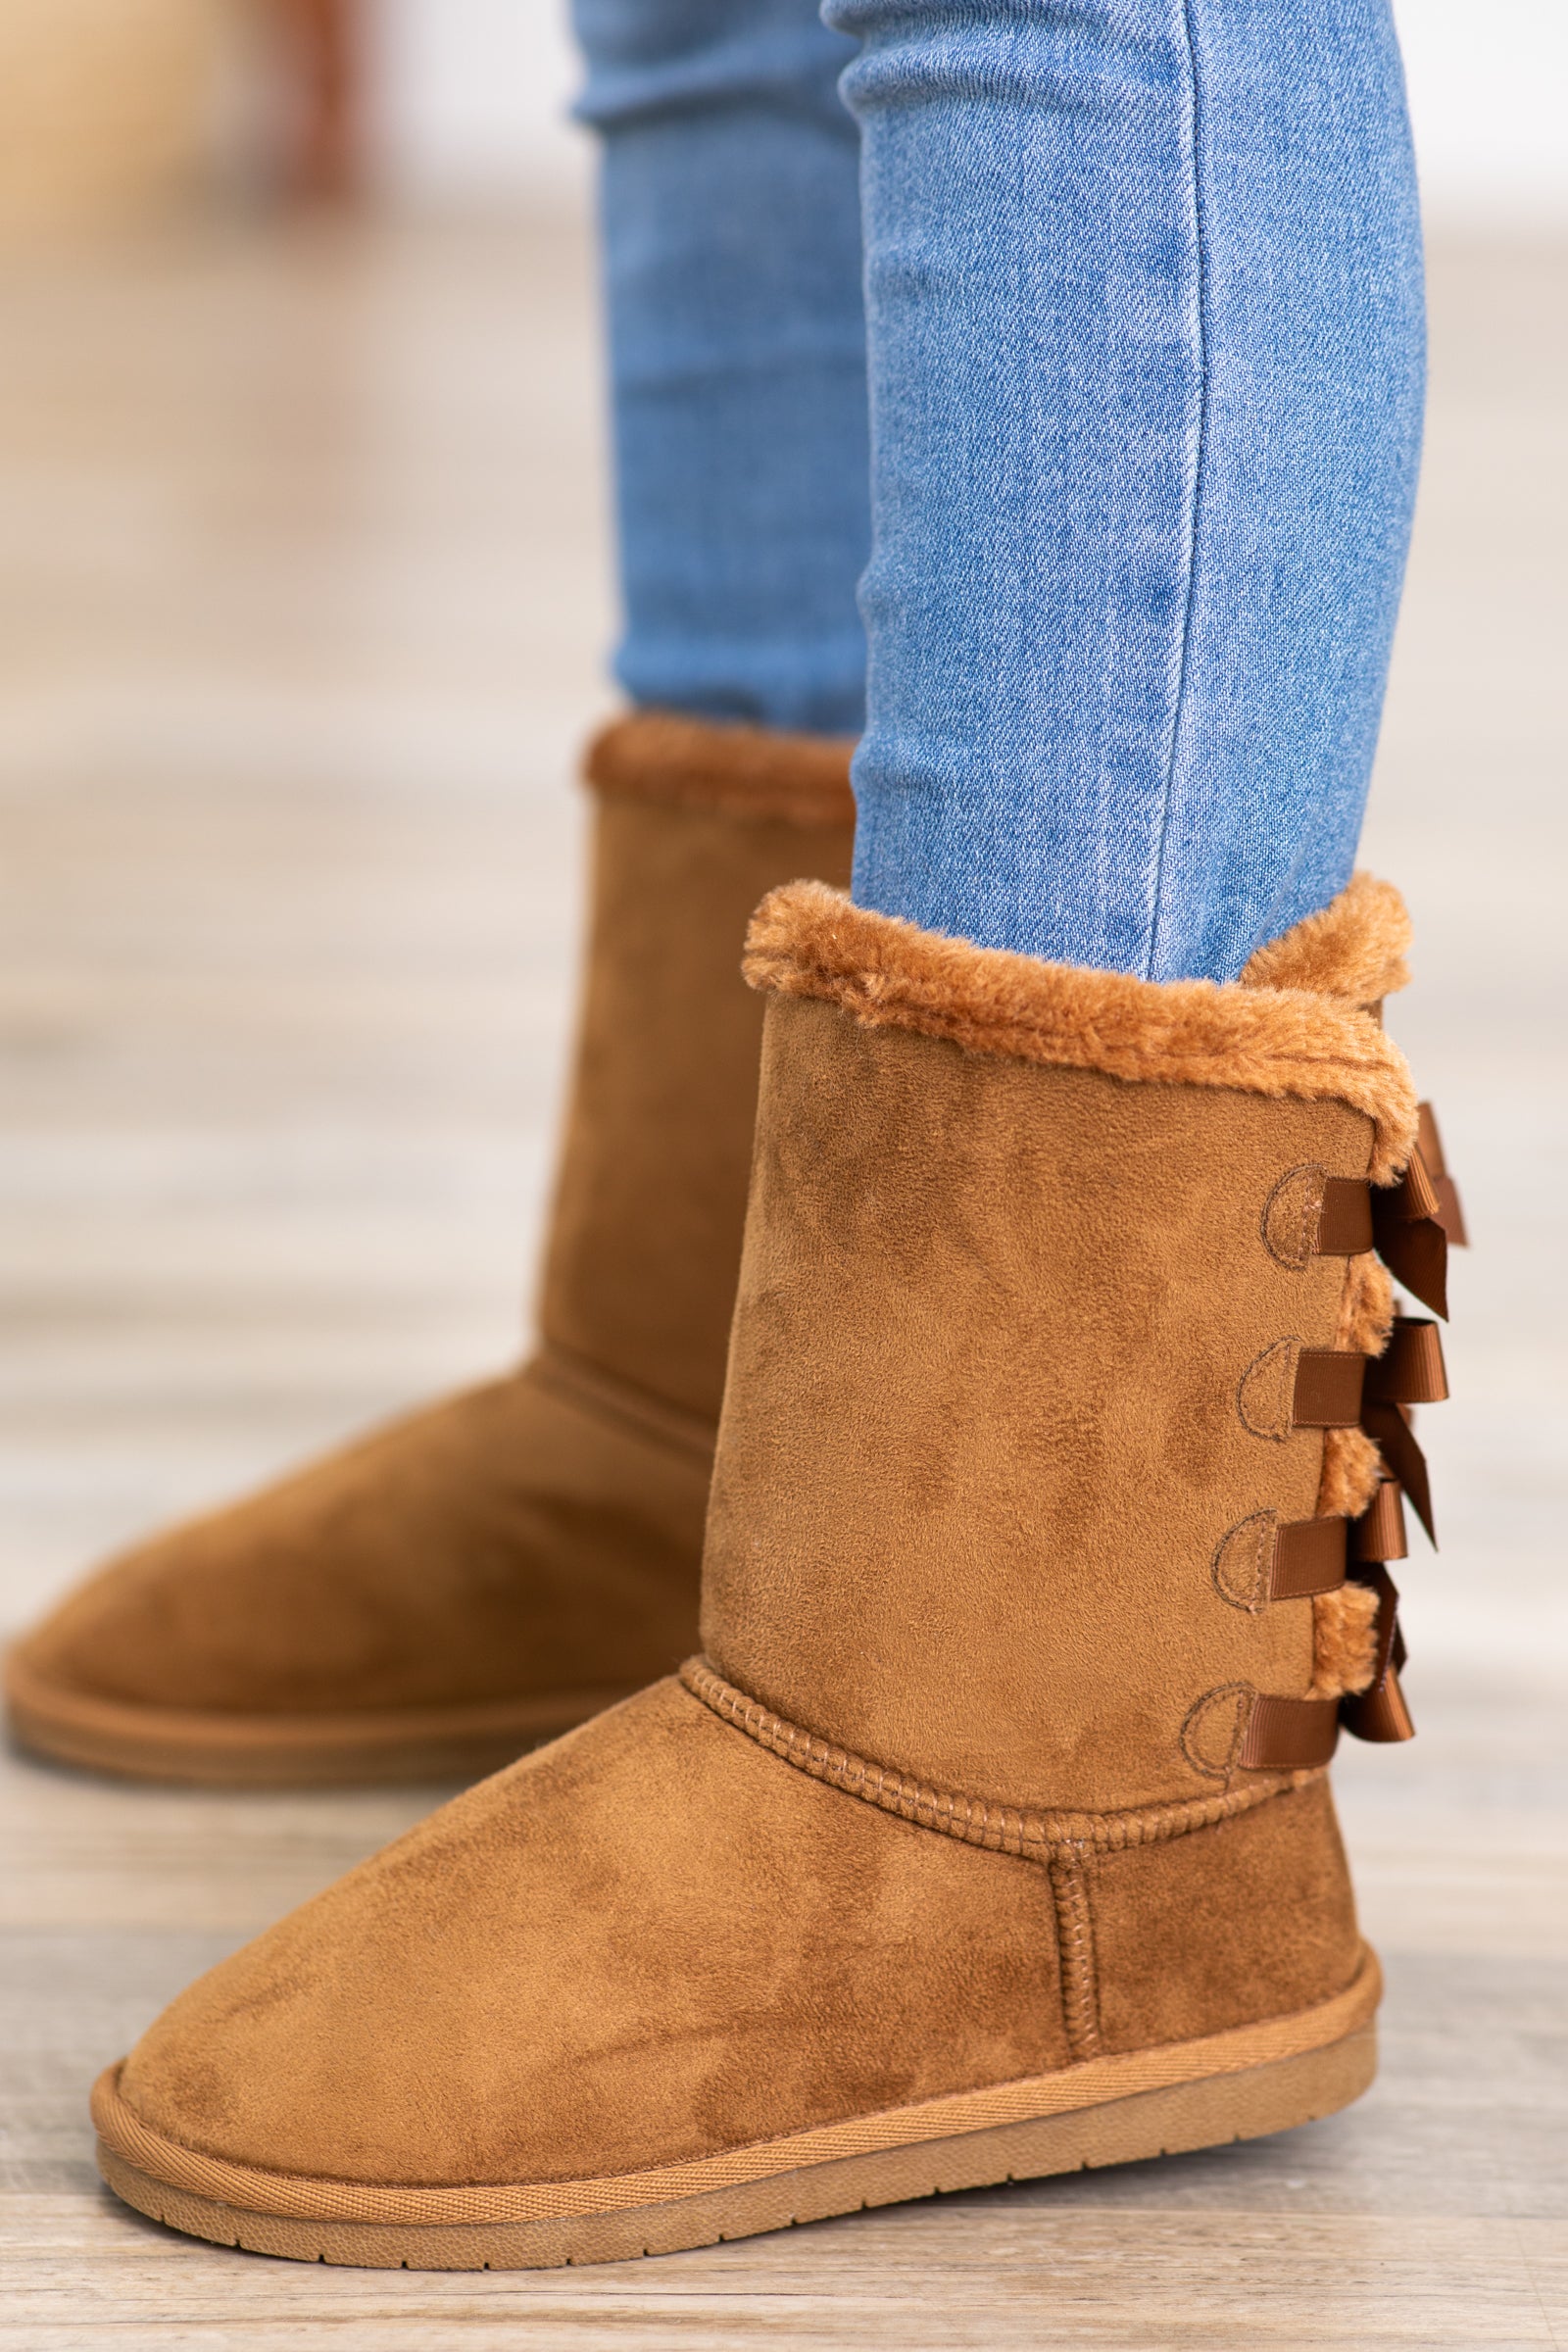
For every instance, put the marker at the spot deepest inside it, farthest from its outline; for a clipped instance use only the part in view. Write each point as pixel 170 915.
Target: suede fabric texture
pixel 981 1438
pixel 992 1409
pixel 646 1236
pixel 509 1539
pixel 648 1941
pixel 538 1538
pixel 1251 1918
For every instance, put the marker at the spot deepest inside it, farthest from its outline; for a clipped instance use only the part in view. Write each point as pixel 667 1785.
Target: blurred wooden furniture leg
pixel 322 38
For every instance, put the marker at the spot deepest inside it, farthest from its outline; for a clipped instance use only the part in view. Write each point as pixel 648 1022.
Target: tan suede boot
pixel 990 1836
pixel 505 1562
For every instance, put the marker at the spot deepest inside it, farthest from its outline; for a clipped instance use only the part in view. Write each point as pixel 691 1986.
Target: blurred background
pixel 113 106
pixel 304 596
pixel 305 589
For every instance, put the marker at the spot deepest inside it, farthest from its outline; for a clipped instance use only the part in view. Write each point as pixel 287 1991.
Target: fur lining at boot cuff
pixel 807 939
pixel 1354 947
pixel 746 772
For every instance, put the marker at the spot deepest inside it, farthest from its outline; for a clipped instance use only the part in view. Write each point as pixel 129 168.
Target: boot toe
pixel 646 1944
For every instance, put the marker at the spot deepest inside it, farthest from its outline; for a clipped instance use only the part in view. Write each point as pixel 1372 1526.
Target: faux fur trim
pixel 1352 1462
pixel 1352 1469
pixel 1355 947
pixel 749 772
pixel 1344 1632
pixel 1366 1307
pixel 807 940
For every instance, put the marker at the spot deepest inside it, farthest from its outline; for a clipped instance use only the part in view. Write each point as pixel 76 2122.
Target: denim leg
pixel 731 229
pixel 1144 315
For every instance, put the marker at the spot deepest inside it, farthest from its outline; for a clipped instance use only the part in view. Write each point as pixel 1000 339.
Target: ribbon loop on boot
pixel 1379 1712
pixel 1410 1370
pixel 1417 1220
pixel 1450 1213
pixel 1288 1735
pixel 1411 1241
pixel 1389 1426
pixel 1345 1219
pixel 1309 1557
pixel 1329 1387
pixel 1379 1534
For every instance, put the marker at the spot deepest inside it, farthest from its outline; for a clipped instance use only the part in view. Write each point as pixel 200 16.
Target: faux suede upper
pixel 1012 1355
pixel 652 1942
pixel 647 1942
pixel 986 1421
pixel 694 824
pixel 505 1541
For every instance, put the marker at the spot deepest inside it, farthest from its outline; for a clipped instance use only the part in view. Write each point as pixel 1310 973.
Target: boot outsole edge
pixel 1334 2063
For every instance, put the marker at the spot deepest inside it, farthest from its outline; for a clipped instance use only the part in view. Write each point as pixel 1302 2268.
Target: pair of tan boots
pixel 988 1834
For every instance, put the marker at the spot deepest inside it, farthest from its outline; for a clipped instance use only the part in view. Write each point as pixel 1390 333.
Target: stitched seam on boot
pixel 1075 1946
pixel 1000 1828
pixel 1266 1391
pixel 1290 1221
pixel 1251 1540
pixel 572 1381
pixel 1237 1700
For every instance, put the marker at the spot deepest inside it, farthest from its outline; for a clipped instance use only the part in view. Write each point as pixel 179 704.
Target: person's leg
pixel 1146 362
pixel 731 220
pixel 1032 1601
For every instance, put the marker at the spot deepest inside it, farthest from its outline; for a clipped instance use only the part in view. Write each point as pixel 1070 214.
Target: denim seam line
pixel 1194 505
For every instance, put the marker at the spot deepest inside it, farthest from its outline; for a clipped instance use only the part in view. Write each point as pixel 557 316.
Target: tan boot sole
pixel 1197 2095
pixel 284 1751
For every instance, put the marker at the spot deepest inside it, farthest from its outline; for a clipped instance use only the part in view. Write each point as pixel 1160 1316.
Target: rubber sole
pixel 1228 2086
pixel 283 1752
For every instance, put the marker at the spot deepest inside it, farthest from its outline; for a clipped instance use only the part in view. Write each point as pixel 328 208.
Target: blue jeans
pixel 731 235
pixel 1143 319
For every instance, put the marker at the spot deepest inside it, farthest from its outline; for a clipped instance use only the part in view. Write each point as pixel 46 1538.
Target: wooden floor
pixel 303 599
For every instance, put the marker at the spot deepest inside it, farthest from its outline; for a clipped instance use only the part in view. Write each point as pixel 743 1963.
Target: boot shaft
pixel 692 824
pixel 1029 1350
